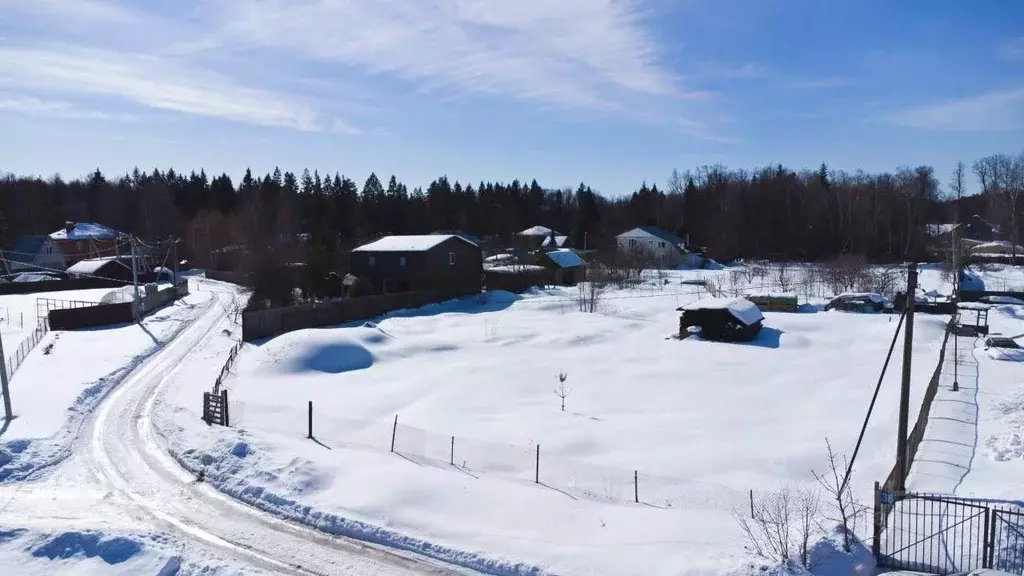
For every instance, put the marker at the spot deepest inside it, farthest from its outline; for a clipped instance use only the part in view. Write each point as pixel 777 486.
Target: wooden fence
pixel 119 313
pixel 259 324
pixel 58 285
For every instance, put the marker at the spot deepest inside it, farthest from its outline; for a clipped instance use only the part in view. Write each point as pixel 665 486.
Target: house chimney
pixel 69 226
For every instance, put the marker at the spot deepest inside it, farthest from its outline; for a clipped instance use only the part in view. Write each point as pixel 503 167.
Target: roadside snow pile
pixel 54 394
pixel 24 553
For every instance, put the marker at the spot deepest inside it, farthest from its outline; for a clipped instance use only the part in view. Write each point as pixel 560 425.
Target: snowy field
pixel 699 423
pixel 19 312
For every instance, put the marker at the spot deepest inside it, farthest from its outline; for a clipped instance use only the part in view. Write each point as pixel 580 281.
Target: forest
pixel 772 212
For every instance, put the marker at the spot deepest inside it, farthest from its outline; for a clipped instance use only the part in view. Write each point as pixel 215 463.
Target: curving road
pixel 122 474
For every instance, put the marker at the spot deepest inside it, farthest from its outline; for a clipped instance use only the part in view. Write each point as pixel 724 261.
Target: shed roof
pixel 412 243
pixel 566 258
pixel 559 241
pixel 92 265
pixel 742 309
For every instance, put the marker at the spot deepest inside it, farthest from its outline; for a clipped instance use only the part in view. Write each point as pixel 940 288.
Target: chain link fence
pixel 525 464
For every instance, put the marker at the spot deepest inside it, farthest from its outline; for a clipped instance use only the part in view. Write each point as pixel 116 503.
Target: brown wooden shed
pixel 441 262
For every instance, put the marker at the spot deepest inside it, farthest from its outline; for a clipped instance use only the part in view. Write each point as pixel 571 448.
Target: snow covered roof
pixel 742 309
pixel 537 231
pixel 85 231
pixel 34 277
pixel 939 229
pixel 877 298
pixel 566 258
pixel 559 241
pixel 995 244
pixel 420 243
pixel 660 233
pixel 500 258
pixel 515 269
pixel 973 306
pixel 90 266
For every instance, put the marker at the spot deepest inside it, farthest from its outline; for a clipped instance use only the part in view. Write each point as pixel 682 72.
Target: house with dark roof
pixel 445 263
pixel 662 246
pixel 34 253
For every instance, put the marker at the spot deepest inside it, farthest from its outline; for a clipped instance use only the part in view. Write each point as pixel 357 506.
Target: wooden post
pixel 902 451
pixel 310 420
pixel 536 470
pixel 636 486
pixel 751 503
pixel 451 459
pixel 224 406
pixel 394 431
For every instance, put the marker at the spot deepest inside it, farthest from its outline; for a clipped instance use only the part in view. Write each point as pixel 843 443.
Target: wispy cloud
pixel 33 106
pixel 149 81
pixel 70 10
pixel 1012 49
pixel 703 131
pixel 820 83
pixel 576 53
pixel 991 111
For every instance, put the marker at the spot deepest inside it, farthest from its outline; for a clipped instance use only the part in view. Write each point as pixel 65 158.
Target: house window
pixel 451 258
pixel 661 244
pixel 633 242
pixel 401 260
pixel 49 250
pixel 373 261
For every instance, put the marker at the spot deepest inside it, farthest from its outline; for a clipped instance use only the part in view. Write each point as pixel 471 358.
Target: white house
pixel 663 246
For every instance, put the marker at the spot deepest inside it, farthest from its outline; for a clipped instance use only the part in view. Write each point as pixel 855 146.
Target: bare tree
pixel 1002 179
pixel 779 527
pixel 562 391
pixel 956 185
pixel 783 275
pixel 837 488
pixel 589 293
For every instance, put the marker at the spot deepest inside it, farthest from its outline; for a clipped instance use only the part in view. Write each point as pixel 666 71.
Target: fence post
pixel 636 486
pixel 876 544
pixel 394 431
pixel 536 470
pixel 451 459
pixel 988 552
pixel 224 406
pixel 310 420
pixel 751 503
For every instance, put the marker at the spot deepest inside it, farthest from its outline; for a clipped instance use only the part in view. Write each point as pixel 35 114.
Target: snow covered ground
pixel 18 312
pixel 699 423
pixel 974 443
pixel 68 375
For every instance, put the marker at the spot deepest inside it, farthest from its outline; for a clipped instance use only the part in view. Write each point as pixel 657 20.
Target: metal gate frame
pixel 943 534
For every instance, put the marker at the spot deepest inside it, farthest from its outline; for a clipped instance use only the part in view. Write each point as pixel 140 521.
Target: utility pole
pixel 4 387
pixel 135 280
pixel 174 255
pixel 956 303
pixel 902 453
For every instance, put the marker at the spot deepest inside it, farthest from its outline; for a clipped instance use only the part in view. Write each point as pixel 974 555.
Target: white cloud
pixel 576 53
pixel 69 10
pixel 150 81
pixel 703 131
pixel 992 111
pixel 53 108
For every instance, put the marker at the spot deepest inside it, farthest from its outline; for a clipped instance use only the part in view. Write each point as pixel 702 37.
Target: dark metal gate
pixel 947 535
pixel 215 408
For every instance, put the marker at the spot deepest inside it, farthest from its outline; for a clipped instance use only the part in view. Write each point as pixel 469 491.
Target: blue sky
pixel 611 92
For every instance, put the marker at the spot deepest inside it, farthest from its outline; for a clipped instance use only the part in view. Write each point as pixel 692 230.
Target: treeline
pixel 773 212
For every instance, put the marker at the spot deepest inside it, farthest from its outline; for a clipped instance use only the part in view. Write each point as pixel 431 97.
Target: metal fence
pixel 942 534
pixel 17 357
